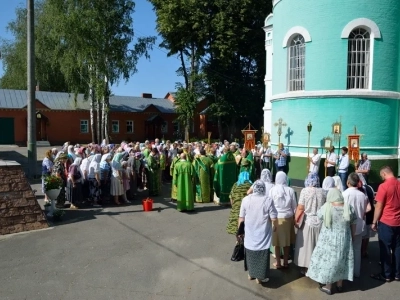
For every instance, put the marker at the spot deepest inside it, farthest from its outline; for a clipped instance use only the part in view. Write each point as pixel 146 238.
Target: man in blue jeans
pixel 343 167
pixel 387 223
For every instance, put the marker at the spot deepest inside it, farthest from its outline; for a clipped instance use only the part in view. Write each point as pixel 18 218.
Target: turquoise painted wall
pixel 377 119
pixel 326 54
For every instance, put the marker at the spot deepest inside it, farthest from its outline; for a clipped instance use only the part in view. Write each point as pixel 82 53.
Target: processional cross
pixel 280 124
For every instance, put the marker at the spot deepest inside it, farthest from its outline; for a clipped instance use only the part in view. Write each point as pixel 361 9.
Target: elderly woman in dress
pixel 238 192
pixel 333 259
pixel 117 188
pixel 74 184
pixel 312 197
pixel 93 176
pixel 260 217
pixel 60 172
pixel 285 203
pixel 105 176
pixel 47 167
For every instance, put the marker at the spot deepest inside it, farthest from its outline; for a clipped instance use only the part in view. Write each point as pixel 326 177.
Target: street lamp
pixel 309 128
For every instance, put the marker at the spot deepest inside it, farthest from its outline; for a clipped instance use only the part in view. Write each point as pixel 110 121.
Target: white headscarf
pixel 95 163
pixel 278 190
pixel 105 157
pixel 338 183
pixel 71 152
pixel 328 183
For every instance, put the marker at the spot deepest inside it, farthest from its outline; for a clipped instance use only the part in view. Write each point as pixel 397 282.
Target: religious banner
pixel 249 137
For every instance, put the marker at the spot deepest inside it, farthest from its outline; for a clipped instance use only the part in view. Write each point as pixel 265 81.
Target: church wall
pixel 376 119
pixel 326 54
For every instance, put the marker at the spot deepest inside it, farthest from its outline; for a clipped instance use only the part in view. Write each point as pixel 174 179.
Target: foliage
pixel 47 73
pixel 230 54
pixel 52 182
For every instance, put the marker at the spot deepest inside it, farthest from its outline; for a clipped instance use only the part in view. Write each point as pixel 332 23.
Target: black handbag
pixel 238 251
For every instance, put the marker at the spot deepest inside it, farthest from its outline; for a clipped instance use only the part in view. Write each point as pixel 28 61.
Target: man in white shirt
pixel 359 201
pixel 266 155
pixel 314 161
pixel 343 166
pixel 330 162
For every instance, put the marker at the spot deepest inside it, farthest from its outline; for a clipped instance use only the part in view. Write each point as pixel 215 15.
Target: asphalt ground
pixel 125 253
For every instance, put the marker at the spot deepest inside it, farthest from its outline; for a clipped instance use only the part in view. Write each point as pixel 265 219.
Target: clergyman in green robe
pixel 204 167
pixel 175 161
pixel 226 173
pixel 184 174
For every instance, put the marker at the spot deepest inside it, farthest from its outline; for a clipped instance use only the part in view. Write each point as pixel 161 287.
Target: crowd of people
pixel 329 225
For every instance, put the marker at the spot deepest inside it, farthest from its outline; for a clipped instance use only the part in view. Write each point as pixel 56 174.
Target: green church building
pixel 334 61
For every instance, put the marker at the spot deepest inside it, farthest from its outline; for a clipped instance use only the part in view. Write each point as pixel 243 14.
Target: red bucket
pixel 147 204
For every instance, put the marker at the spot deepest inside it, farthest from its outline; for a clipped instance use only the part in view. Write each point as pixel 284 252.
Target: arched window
pixel 296 53
pixel 358 59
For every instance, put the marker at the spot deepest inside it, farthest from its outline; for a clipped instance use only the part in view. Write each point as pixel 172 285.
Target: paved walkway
pixel 125 253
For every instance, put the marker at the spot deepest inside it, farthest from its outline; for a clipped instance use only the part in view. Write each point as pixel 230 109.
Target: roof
pixel 65 101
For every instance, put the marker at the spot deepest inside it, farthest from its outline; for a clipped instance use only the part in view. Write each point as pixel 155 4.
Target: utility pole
pixel 31 110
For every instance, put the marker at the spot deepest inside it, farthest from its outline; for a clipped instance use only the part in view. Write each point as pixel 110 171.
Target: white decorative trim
pixel 276 2
pixel 370 157
pixel 319 147
pixel 364 23
pixel 356 93
pixel 293 31
pixel 271 15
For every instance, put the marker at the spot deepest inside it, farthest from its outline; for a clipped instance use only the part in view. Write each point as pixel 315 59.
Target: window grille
pixel 129 126
pixel 358 59
pixel 297 51
pixel 84 126
pixel 115 126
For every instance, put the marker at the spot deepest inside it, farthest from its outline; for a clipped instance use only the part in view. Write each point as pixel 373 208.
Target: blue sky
pixel 156 76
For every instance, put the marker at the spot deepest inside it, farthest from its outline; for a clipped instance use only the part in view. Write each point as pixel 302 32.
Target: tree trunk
pixel 92 126
pixel 98 120
pixel 106 108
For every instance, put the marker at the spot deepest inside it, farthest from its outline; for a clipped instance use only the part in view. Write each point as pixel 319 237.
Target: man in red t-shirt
pixel 387 222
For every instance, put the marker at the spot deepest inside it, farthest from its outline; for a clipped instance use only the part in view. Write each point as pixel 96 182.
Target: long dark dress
pixel 59 170
pixel 74 194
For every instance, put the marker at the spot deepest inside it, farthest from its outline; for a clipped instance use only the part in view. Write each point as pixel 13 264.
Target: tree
pixel 229 52
pixel 95 40
pixel 48 75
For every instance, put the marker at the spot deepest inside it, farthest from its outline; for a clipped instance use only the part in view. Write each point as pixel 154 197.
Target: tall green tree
pixel 48 75
pixel 96 40
pixel 230 52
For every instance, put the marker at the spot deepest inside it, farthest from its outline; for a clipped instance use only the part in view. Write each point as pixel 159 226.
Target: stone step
pixel 43 144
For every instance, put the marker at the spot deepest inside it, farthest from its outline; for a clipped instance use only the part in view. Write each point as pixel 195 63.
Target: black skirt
pixel 74 194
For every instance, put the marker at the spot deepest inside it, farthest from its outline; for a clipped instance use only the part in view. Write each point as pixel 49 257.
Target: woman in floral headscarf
pixel 238 192
pixel 312 197
pixel 260 216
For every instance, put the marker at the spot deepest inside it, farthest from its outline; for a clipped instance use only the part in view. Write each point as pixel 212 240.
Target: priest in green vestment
pixel 248 155
pixel 226 174
pixel 184 174
pixel 204 167
pixel 175 161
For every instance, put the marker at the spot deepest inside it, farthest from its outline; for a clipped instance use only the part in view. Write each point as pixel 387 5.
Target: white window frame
pixel 374 33
pixel 358 59
pixel 133 126
pixel 87 126
pixel 296 64
pixel 287 40
pixel 112 126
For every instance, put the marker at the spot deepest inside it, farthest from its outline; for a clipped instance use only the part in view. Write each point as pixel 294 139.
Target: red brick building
pixel 59 118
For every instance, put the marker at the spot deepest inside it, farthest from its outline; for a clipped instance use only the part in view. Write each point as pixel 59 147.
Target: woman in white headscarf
pixel 312 197
pixel 265 177
pixel 328 183
pixel 285 203
pixel 94 180
pixel 333 259
pixel 338 183
pixel 260 216
pixel 74 184
pixel 105 176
